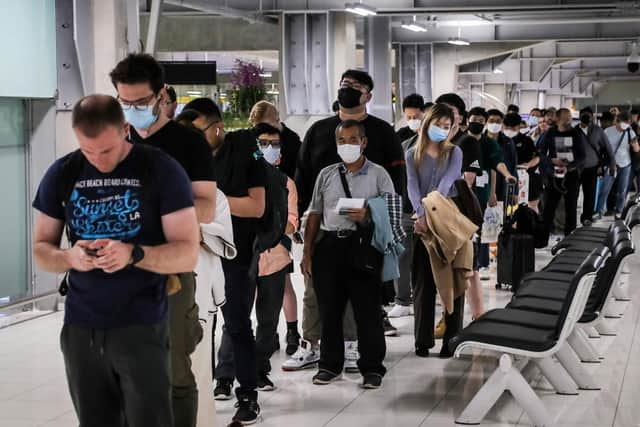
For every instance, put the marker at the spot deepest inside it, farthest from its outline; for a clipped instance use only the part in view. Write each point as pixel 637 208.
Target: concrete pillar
pixel 109 41
pixel 378 63
pixel 342 41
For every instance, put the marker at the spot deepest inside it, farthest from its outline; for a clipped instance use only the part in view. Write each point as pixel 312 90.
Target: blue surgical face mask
pixel 437 134
pixel 140 119
pixel 533 121
pixel 271 155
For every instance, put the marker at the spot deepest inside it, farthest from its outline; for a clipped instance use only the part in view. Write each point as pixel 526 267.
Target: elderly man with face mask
pixel 327 260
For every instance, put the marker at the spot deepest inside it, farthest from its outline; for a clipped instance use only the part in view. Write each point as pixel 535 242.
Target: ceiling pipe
pixel 208 7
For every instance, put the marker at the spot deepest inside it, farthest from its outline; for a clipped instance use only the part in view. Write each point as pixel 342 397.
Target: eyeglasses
pixel 355 85
pixel 209 125
pixel 264 143
pixel 140 105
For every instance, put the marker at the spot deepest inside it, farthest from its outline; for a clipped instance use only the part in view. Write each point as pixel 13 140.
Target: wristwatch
pixel 137 254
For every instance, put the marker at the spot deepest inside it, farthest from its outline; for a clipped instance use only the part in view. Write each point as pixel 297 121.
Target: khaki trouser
pixel 185 332
pixel 311 322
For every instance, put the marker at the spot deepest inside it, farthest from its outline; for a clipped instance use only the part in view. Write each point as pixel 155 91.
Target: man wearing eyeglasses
pixel 139 82
pixel 241 177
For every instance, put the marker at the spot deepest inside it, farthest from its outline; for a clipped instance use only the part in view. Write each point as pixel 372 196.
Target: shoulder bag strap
pixel 343 180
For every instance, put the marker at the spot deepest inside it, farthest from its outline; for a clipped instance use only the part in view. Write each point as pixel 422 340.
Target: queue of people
pixel 137 199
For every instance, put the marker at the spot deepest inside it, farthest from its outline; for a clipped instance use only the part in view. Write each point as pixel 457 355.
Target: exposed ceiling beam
pixel 210 7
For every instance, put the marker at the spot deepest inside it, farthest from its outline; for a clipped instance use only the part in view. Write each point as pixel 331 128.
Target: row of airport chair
pixel 548 323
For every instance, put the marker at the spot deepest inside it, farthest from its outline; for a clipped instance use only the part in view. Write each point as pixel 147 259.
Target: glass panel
pixel 14 214
pixel 28 49
pixel 11 122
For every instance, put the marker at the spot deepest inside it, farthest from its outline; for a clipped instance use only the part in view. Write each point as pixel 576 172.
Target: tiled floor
pixel 416 392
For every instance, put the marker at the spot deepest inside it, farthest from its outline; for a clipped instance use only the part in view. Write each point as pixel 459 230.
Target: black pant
pixel 588 181
pixel 119 377
pixel 237 322
pixel 335 283
pixel 270 292
pixel 571 183
pixel 424 303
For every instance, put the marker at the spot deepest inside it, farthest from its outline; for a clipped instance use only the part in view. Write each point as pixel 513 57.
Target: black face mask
pixel 585 119
pixel 349 97
pixel 476 128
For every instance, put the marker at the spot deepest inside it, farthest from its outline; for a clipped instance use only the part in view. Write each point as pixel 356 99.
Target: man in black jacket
pixel 597 152
pixel 562 150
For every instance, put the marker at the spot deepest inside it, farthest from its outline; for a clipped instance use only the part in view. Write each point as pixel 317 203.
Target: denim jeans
pixel 622 186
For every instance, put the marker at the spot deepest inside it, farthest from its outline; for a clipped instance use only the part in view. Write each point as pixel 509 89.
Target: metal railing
pixel 29 300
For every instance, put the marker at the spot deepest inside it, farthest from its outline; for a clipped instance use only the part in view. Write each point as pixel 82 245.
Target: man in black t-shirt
pixel 139 82
pixel 240 175
pixel 413 111
pixel 130 219
pixel 562 158
pixel 526 155
pixel 468 144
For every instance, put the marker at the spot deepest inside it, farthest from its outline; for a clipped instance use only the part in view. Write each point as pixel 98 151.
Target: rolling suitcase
pixel 516 252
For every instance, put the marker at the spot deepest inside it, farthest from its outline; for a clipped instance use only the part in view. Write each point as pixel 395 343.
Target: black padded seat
pixel 531 319
pixel 635 219
pixel 556 293
pixel 506 335
pixel 537 304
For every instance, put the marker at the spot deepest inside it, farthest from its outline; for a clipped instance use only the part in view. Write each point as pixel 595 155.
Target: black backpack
pixel 529 222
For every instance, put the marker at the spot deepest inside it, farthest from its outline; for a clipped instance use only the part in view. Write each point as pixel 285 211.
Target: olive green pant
pixel 185 333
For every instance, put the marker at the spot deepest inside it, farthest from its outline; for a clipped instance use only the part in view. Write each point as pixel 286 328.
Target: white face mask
pixel 349 153
pixel 271 155
pixel 624 125
pixel 414 124
pixel 494 127
pixel 509 133
pixel 524 131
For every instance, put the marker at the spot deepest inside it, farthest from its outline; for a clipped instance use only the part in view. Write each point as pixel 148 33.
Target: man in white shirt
pixel 622 140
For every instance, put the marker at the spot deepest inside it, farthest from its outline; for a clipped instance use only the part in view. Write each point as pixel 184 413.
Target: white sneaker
pixel 400 311
pixel 306 357
pixel 351 356
pixel 485 273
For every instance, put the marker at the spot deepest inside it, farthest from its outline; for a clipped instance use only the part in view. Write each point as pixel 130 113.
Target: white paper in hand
pixel 345 204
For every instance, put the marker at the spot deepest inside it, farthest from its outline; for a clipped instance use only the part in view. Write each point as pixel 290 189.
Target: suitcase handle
pixel 512 191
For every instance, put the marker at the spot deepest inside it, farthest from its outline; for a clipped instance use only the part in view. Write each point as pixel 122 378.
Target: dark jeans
pixel 239 289
pixel 403 284
pixel 552 197
pixel 119 377
pixel 270 292
pixel 424 303
pixel 185 332
pixel 588 181
pixel 335 283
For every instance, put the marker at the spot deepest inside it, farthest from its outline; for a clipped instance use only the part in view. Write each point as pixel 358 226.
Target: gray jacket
pixel 597 143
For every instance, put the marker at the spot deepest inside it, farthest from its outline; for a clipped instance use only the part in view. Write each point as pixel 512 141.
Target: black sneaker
pixel 223 389
pixel 293 342
pixel 371 381
pixel 422 352
pixel 389 329
pixel 325 377
pixel 247 413
pixel 264 383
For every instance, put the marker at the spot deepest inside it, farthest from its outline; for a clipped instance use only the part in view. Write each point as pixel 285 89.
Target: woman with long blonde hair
pixel 433 164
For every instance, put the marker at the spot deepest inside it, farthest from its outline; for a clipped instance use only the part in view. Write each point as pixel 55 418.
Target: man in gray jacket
pixel 594 156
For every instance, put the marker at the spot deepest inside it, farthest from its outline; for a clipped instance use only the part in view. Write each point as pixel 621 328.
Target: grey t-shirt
pixel 370 181
pixel 621 144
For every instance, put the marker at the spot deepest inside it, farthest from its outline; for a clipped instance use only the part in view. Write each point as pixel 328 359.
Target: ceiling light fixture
pixel 414 26
pixel 266 74
pixel 360 9
pixel 498 71
pixel 459 41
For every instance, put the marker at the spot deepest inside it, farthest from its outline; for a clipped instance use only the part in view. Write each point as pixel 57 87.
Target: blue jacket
pixel 383 239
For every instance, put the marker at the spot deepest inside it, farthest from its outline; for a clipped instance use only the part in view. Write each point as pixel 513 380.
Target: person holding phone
pixel 326 259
